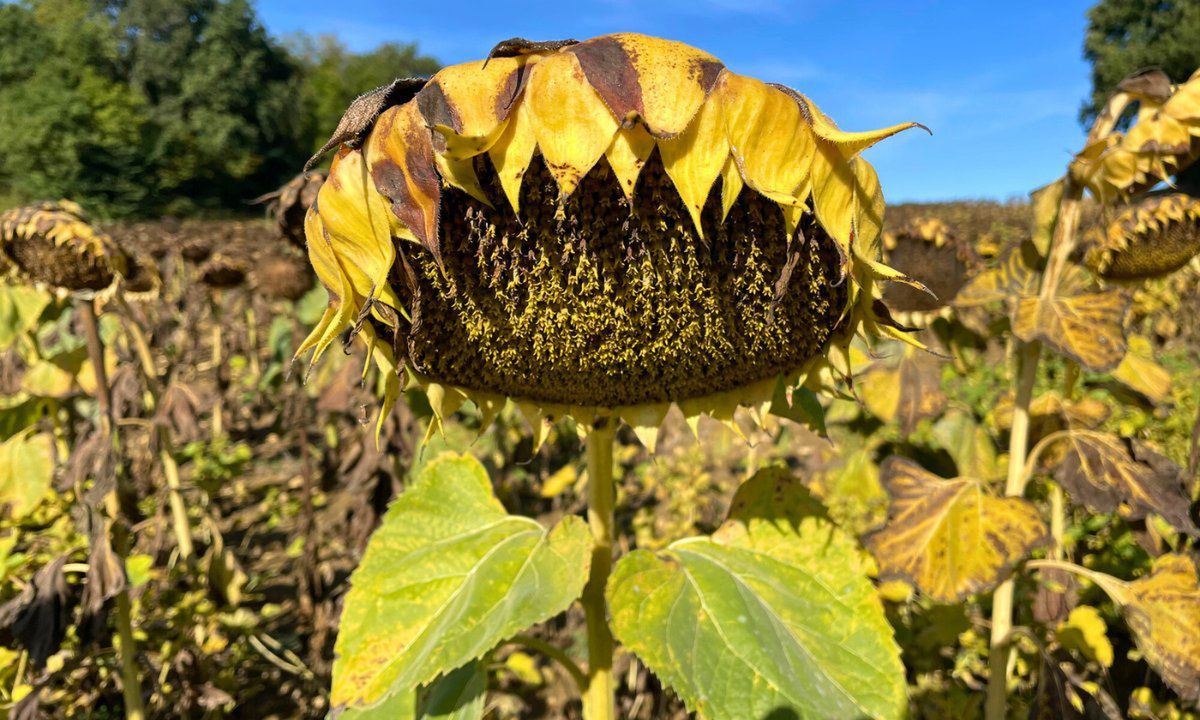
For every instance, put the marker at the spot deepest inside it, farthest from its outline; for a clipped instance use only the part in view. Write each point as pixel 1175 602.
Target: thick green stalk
pixel 598 700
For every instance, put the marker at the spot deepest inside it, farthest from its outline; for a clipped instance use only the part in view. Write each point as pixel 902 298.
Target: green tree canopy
pixel 1128 35
pixel 145 107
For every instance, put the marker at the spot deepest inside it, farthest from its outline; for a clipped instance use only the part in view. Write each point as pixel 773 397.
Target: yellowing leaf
pixel 1111 474
pixel 446 577
pixel 26 469
pixel 1163 610
pixel 457 695
pixel 852 491
pixel 906 388
pixel 1088 327
pixel 948 537
pixel 562 480
pixel 1141 374
pixel 772 613
pixel 1085 632
pixel 1013 275
pixel 1046 200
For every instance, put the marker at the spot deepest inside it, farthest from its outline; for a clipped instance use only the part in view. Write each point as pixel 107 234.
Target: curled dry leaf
pixel 1088 327
pixel 949 537
pixel 1112 474
pixel 37 618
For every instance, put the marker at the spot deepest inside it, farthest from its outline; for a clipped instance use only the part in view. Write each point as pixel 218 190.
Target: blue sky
pixel 999 83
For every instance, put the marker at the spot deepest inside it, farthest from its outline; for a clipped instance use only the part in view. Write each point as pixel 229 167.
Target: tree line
pixel 153 107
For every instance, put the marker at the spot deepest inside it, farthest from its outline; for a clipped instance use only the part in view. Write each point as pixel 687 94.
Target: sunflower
pixel 52 243
pixel 599 229
pixel 1155 237
pixel 1164 139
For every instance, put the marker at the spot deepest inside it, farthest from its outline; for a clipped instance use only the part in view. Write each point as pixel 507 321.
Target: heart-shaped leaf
pixel 771 614
pixel 949 537
pixel 446 577
pixel 1088 327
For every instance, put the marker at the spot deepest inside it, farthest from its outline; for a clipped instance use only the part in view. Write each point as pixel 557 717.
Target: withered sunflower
pixel 1152 238
pixel 1164 139
pixel 53 244
pixel 599 229
pixel 288 205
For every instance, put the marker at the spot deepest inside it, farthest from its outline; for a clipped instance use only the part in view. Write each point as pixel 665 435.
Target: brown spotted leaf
pixel 906 388
pixel 949 537
pixel 1112 474
pixel 1088 327
pixel 1163 610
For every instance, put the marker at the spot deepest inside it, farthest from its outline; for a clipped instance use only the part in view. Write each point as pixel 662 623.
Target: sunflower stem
pixel 1027 356
pixel 598 701
pixel 131 687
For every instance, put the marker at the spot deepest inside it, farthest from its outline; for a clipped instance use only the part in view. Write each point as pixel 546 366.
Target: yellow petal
pixel 661 81
pixel 851 143
pixel 469 104
pixel 646 420
pixel 769 138
pixel 731 186
pixel 847 199
pixel 400 158
pixel 461 174
pixel 357 223
pixel 512 153
pixel 628 154
pixel 694 158
pixel 572 124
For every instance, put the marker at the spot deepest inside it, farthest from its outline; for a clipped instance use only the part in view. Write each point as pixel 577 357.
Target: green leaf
pixel 446 577
pixel 26 469
pixel 800 405
pixel 458 695
pixel 771 614
pixel 20 307
pixel 969 444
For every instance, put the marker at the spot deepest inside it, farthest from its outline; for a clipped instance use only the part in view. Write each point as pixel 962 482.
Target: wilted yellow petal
pixel 695 158
pixel 512 153
pixel 660 81
pixel 731 186
pixel 628 154
pixel 400 159
pixel 468 104
pixel 847 199
pixel 572 124
pixel 769 138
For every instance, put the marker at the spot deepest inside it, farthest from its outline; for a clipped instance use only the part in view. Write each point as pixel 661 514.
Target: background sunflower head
pixel 1154 237
pixel 52 243
pixel 605 227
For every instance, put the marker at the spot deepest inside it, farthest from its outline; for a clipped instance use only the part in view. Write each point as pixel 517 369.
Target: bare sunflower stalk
pixel 599 229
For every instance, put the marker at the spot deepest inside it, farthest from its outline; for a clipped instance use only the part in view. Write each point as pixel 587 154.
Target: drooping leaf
pixel 1163 610
pixel 771 614
pixel 1110 474
pixel 1086 326
pixel 26 470
pixel 1046 200
pixel 906 388
pixel 969 444
pixel 447 576
pixel 949 537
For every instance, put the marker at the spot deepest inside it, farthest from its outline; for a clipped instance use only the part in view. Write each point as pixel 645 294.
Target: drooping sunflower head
pixel 1164 139
pixel 1155 237
pixel 223 271
pixel 598 228
pixel 52 243
pixel 928 251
